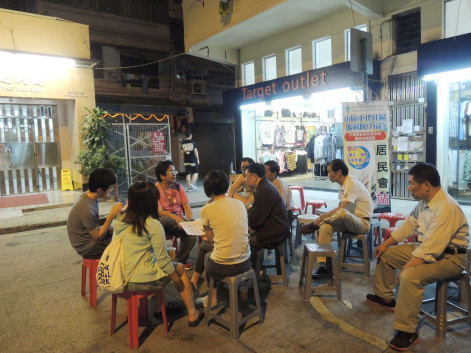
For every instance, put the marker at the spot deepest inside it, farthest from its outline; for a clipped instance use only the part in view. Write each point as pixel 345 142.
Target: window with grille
pixel 407 31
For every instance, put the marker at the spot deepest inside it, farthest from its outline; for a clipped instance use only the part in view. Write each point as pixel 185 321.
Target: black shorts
pixel 191 169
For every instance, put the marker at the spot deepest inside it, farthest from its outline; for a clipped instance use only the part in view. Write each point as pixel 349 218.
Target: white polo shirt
pixel 356 193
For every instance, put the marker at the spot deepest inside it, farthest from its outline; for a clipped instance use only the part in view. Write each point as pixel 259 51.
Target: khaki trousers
pixel 412 281
pixel 341 221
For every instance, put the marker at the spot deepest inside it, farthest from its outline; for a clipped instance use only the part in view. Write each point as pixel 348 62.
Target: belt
pixel 454 251
pixel 367 218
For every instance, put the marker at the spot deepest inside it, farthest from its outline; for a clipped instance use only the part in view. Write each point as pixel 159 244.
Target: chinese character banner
pixel 366 148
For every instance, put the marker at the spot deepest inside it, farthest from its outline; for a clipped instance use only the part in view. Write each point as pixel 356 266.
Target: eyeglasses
pixel 172 172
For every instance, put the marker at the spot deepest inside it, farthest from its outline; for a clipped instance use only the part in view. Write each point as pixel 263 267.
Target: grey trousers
pixel 412 282
pixel 204 248
pixel 186 241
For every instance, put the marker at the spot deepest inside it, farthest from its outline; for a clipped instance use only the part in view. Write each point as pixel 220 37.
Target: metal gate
pixel 29 148
pixel 408 98
pixel 143 146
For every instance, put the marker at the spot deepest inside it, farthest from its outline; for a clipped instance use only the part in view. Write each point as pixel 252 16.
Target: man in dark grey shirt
pixel 86 235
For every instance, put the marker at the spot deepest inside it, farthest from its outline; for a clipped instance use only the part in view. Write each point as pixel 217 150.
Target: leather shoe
pixel 320 273
pixel 308 228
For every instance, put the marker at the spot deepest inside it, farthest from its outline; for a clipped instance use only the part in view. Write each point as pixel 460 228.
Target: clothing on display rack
pixel 321 150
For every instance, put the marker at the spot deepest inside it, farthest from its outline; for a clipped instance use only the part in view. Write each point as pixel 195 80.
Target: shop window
pixel 294 62
pixel 322 52
pixel 456 20
pixel 407 32
pixel 363 28
pixel 269 68
pixel 248 74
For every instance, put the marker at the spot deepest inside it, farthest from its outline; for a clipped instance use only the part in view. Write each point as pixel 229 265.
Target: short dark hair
pixel 273 166
pixel 247 159
pixel 256 168
pixel 101 178
pixel 162 168
pixel 188 133
pixel 337 164
pixel 143 199
pixel 423 172
pixel 216 183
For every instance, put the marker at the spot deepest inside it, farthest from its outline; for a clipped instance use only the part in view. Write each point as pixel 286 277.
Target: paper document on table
pixel 193 227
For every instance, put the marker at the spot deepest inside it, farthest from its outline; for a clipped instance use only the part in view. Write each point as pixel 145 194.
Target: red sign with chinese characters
pixel 158 142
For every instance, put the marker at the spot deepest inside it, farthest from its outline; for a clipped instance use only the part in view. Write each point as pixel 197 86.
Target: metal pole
pixel 363 67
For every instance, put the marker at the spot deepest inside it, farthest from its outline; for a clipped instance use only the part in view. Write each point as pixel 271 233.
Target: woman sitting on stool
pixel 225 224
pixel 145 254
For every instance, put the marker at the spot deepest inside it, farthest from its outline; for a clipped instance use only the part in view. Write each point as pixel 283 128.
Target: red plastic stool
pixel 136 300
pixel 388 232
pixel 92 266
pixel 315 204
pixel 392 218
pixel 300 189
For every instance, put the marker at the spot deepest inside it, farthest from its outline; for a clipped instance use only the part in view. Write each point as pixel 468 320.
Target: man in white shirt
pixel 353 214
pixel 443 228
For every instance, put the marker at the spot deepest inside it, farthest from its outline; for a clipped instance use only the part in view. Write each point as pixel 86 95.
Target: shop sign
pixel 305 83
pixel 366 149
pixel 12 83
pixel 158 142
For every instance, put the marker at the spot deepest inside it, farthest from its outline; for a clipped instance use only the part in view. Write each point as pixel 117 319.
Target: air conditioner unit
pixel 198 87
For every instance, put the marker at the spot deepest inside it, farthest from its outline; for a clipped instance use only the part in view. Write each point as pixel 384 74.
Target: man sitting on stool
pixel 272 172
pixel 441 255
pixel 353 214
pixel 267 217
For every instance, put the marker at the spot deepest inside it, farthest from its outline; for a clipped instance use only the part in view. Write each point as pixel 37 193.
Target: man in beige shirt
pixel 443 229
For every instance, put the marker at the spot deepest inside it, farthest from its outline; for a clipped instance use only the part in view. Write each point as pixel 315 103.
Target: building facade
pixel 269 40
pixel 46 81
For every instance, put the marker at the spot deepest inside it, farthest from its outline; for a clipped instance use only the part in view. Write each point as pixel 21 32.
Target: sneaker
pixel 193 187
pixel 320 273
pixel 308 228
pixel 403 341
pixel 204 301
pixel 389 305
pixel 189 190
pixel 189 266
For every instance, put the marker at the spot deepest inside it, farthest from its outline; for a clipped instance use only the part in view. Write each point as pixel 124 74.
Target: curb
pixel 57 223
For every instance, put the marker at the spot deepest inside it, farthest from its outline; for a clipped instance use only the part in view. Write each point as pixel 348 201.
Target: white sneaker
pixel 204 301
pixel 193 187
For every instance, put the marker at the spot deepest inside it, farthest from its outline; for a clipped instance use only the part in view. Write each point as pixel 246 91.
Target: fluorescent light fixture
pixel 450 76
pixel 44 65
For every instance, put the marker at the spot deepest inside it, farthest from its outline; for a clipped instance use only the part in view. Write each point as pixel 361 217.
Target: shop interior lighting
pixel 44 64
pixel 450 76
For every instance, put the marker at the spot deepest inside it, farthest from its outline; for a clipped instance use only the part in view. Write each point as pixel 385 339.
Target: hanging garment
pixel 291 158
pixel 300 135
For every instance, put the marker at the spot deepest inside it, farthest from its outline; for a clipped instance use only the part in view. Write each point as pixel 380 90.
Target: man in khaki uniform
pixel 443 229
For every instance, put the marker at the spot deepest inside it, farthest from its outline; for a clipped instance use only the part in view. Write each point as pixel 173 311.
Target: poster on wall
pixel 158 142
pixel 366 148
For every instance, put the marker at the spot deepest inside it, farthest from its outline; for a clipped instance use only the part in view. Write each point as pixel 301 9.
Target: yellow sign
pixel 77 180
pixel 66 180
